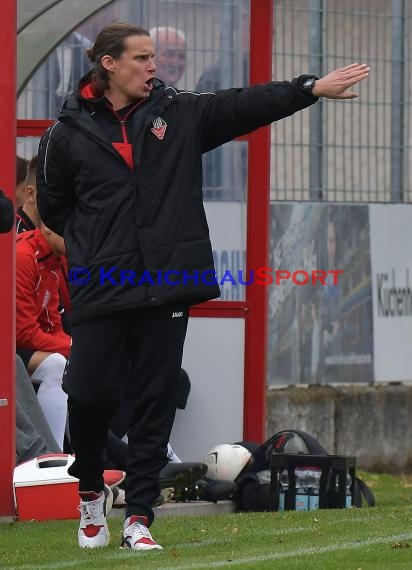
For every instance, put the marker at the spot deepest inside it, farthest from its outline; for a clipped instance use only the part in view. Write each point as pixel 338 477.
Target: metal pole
pixel 316 181
pixel 226 81
pixel 135 13
pixel 257 249
pixel 398 100
pixel 8 25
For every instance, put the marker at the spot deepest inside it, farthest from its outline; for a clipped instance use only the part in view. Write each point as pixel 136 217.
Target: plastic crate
pixel 332 492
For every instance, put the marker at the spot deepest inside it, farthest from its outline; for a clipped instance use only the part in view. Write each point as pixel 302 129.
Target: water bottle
pixel 284 486
pixel 313 487
pixel 348 491
pixel 302 497
pixel 348 498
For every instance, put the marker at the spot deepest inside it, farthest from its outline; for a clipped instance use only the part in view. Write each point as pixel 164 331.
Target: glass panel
pixel 320 321
pixel 352 140
pixel 27 146
pixel 215 53
pixel 225 207
pixel 201 46
pixel 59 73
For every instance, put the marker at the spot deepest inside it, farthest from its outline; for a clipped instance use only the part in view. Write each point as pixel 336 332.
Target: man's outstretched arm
pixel 233 112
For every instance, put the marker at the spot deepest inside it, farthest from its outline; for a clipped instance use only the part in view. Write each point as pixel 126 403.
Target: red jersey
pixel 38 277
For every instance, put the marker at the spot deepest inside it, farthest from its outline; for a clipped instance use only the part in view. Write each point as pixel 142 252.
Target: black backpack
pixel 253 483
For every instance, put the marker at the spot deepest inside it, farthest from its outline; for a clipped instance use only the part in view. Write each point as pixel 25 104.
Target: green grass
pixel 348 539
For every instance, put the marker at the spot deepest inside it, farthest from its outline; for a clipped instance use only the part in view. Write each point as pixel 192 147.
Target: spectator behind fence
pixel 69 63
pixel 40 340
pixel 120 176
pixel 221 166
pixel 21 173
pixel 215 181
pixel 170 47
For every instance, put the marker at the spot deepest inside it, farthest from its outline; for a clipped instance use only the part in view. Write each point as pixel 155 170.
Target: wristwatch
pixel 309 82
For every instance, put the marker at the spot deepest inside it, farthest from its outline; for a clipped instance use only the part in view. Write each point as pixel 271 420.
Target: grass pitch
pixel 349 539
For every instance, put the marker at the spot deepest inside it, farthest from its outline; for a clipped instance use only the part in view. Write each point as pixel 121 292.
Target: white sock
pixel 52 399
pixel 171 455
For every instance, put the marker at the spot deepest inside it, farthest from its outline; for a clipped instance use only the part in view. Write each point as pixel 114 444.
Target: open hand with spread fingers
pixel 337 84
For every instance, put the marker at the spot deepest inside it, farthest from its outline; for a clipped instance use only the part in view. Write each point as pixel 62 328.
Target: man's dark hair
pixel 21 169
pixel 110 41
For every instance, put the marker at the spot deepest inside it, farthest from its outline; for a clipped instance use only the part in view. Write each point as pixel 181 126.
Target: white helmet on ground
pixel 226 461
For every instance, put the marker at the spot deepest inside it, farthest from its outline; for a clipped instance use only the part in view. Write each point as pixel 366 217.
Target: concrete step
pixel 174 508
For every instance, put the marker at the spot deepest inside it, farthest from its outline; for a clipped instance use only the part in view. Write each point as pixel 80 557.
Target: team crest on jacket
pixel 159 127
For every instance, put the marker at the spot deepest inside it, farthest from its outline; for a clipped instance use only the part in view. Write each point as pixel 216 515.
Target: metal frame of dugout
pixel 333 468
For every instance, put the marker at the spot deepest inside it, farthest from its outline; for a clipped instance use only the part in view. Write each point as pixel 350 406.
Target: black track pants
pixel 135 355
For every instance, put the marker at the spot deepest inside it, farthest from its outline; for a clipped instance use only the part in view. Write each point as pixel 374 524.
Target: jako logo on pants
pixel 177 315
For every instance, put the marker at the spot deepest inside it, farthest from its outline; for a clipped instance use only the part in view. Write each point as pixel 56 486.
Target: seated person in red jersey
pixel 40 339
pixel 28 218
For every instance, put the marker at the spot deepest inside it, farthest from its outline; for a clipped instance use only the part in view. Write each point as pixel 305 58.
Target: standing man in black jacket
pixel 120 177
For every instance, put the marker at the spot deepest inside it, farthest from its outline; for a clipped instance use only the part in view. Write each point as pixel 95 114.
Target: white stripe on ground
pixel 126 555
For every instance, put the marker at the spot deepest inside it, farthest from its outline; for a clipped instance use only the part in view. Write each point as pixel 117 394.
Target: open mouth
pixel 149 83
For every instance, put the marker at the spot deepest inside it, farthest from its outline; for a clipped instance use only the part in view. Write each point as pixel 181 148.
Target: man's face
pixel 170 57
pixel 133 72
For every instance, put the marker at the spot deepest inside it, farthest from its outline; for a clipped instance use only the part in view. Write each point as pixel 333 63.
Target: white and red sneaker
pixel 136 535
pixel 94 507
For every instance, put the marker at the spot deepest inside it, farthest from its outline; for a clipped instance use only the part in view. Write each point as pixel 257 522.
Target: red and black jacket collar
pixel 23 222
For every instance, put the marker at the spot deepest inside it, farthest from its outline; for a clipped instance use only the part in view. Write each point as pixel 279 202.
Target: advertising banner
pixel 320 301
pixel 392 290
pixel 227 224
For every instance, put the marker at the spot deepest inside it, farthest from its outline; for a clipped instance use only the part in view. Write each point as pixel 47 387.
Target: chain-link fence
pixel 200 45
pixel 348 151
pixel 354 150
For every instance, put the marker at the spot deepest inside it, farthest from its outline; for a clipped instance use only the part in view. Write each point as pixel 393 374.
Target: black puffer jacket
pixel 149 220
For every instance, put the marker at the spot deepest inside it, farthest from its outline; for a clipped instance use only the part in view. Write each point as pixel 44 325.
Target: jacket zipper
pixel 123 121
